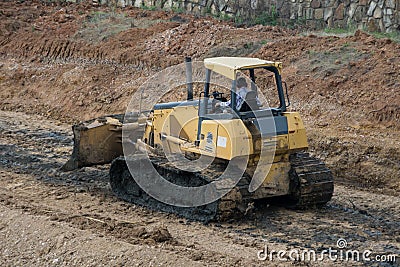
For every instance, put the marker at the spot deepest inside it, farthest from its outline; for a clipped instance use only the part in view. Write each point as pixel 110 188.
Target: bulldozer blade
pixel 96 141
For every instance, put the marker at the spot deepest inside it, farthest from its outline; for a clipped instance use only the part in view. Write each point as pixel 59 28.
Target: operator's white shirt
pixel 240 96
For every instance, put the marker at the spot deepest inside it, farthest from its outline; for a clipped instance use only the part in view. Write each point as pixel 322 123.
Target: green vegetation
pixel 239 20
pixel 207 11
pixel 151 8
pixel 248 45
pixel 177 9
pixel 224 16
pixel 394 36
pixel 101 25
pixel 328 62
pixel 266 18
pixel 294 23
pixel 340 31
pixel 350 30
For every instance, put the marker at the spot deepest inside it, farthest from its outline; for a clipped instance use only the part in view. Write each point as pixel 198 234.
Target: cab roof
pixel 229 66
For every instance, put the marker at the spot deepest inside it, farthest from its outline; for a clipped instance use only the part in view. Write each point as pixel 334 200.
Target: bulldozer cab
pixel 241 106
pixel 234 68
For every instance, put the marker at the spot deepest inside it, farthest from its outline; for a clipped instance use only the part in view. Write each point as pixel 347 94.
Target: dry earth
pixel 63 63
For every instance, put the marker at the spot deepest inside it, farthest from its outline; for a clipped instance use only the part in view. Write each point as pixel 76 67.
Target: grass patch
pixel 394 36
pixel 339 31
pixel 151 8
pixel 100 26
pixel 266 18
pixel 294 23
pixel 178 10
pixel 327 63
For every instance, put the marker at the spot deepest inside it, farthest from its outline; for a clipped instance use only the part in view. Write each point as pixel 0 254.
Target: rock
pixel 359 14
pixel 285 11
pixel 60 241
pixel 328 12
pixel 381 25
pixel 315 4
pixel 160 234
pixel 139 232
pixel 222 4
pixel 388 11
pixel 372 25
pixel 387 21
pixel 390 3
pixel 253 4
pixel 339 12
pixel 121 3
pixel 137 3
pixel 300 11
pixel 363 2
pixel 319 13
pixel 309 13
pixel 371 8
pixel 378 13
pixel 352 9
pixel 196 255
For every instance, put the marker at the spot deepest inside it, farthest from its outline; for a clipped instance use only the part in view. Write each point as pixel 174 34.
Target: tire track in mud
pixel 74 52
pixel 33 149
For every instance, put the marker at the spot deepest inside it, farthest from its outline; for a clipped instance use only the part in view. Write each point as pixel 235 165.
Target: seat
pixel 250 102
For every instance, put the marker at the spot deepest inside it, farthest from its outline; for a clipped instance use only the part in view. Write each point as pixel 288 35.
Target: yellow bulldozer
pixel 247 151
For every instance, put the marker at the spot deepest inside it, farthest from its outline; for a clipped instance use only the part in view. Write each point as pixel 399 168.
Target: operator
pixel 241 91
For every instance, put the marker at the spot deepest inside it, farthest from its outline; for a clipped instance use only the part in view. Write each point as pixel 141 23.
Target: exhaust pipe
pixel 189 81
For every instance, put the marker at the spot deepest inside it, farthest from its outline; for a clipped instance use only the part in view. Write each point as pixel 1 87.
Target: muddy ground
pixel 62 64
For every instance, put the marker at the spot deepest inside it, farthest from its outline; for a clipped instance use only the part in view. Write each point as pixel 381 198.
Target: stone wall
pixel 372 15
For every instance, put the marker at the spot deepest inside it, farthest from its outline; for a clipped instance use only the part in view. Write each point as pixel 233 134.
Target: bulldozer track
pixel 312 185
pixel 312 181
pixel 124 186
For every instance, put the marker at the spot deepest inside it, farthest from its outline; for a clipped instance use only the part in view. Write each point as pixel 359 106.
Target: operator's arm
pixel 224 104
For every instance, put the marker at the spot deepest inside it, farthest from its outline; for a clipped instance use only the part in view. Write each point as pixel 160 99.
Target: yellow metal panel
pixel 276 182
pixel 179 121
pixel 160 123
pixel 209 133
pixel 226 138
pixel 187 119
pixel 297 132
pixel 280 142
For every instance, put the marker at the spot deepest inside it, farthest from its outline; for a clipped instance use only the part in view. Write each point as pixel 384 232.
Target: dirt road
pixel 53 218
